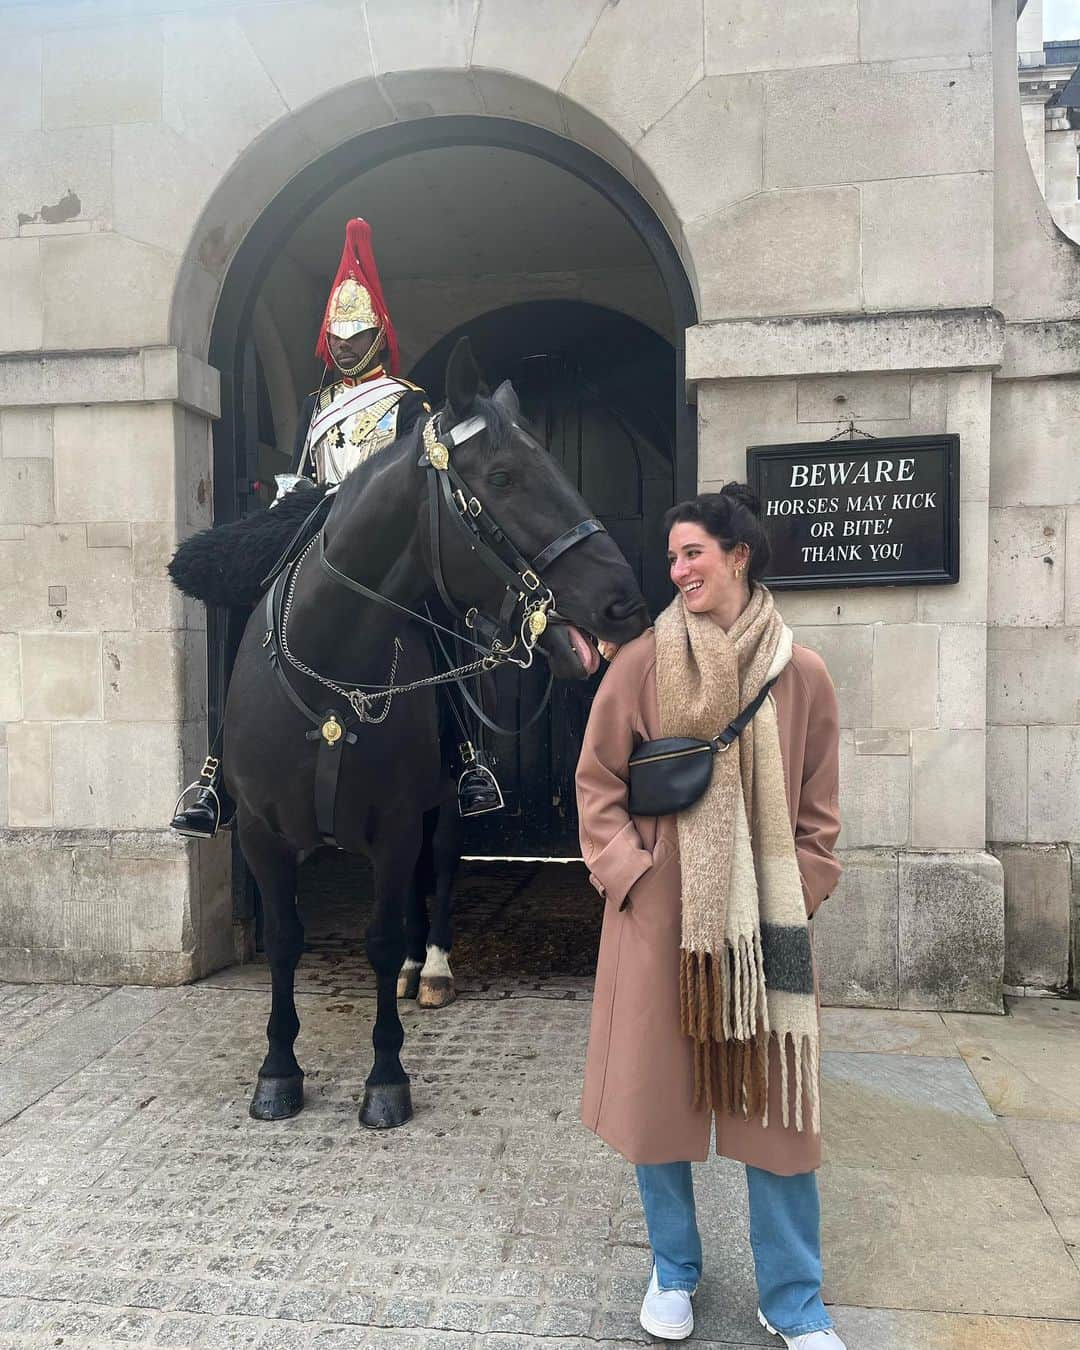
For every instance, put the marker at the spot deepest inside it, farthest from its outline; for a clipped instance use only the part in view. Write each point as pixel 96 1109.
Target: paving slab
pixel 935 1243
pixel 67 1044
pixel 1028 1063
pixel 1050 1153
pixel 910 1112
pixel 885 1031
pixel 887 1329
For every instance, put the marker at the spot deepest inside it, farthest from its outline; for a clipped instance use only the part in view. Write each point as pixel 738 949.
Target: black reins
pixel 523 581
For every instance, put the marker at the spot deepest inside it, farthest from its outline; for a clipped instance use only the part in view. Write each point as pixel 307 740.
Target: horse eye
pixel 499 478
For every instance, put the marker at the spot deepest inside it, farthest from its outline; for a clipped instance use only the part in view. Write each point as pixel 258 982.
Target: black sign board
pixel 881 512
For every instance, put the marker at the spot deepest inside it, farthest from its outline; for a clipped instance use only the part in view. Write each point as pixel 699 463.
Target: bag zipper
pixel 676 754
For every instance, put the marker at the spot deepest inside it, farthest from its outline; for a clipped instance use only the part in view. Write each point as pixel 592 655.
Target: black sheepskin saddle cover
pixel 227 564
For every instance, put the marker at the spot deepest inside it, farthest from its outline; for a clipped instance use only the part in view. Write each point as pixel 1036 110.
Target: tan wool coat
pixel 638 1070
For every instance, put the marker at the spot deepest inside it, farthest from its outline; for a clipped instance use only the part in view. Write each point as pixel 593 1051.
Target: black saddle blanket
pixel 227 564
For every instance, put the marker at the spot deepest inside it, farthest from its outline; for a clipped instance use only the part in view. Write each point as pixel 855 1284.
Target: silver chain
pixel 358 701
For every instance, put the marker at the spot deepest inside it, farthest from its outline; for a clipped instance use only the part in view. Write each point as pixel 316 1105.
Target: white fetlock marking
pixel 409 964
pixel 437 963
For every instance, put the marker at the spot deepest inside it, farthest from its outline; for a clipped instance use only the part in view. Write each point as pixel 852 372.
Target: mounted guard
pixel 361 406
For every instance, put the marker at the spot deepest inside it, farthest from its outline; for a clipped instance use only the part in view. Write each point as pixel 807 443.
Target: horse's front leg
pixel 279 1091
pixel 387 1101
pixel 416 912
pixel 437 979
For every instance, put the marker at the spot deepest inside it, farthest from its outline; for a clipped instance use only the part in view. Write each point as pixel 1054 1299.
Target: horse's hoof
pixel 408 982
pixel 277 1098
pixel 386 1105
pixel 436 991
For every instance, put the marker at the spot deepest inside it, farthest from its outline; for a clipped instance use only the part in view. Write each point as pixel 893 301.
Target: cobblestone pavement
pixel 140 1205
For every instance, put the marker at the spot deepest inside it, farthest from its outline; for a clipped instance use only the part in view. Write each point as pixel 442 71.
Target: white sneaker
pixel 667 1312
pixel 809 1340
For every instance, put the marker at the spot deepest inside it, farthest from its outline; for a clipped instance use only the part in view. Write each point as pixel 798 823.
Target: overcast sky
pixel 1061 19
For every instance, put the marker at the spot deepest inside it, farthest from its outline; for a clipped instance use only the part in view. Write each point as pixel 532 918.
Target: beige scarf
pixel 745 966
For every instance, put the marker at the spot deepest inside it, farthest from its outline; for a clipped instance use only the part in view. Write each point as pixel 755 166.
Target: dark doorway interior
pixel 599 389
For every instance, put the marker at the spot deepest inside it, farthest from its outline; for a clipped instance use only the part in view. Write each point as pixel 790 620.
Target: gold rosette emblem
pixel 331 730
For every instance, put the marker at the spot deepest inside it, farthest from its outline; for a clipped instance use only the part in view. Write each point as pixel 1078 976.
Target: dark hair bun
pixel 741 493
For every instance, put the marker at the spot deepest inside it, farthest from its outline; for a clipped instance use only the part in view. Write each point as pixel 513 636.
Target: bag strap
pixel 735 728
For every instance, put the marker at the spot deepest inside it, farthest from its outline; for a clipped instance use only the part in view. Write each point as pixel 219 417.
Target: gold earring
pixel 738 572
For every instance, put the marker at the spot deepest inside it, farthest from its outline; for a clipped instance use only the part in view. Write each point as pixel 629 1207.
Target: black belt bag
pixel 670 774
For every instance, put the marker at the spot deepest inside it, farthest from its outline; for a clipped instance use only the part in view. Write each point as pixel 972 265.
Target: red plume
pixel 358 262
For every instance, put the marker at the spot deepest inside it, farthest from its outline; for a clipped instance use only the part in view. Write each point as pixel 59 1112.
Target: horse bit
pixel 525 589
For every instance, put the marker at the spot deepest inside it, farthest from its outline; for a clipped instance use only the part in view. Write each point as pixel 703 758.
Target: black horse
pixel 469 505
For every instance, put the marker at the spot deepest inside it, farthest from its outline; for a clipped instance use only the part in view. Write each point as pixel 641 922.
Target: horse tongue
pixel 587 653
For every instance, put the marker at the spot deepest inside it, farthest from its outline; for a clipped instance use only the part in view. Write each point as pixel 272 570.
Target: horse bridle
pixel 523 580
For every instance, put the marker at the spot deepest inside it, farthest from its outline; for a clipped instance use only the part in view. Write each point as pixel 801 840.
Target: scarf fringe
pixel 725 1013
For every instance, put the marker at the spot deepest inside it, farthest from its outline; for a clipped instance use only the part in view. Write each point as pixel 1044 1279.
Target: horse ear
pixel 462 378
pixel 506 397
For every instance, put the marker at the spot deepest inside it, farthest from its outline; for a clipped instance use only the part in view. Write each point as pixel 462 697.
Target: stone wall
pixel 841 185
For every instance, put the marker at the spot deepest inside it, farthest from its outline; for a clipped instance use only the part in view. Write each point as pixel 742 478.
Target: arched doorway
pixel 518 173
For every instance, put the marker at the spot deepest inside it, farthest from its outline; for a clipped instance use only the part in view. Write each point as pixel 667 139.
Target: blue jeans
pixel 785 1235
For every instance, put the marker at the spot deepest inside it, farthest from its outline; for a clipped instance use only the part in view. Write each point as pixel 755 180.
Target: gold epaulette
pixel 409 385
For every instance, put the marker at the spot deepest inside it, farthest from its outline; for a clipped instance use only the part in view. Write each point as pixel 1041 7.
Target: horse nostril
pixel 619 610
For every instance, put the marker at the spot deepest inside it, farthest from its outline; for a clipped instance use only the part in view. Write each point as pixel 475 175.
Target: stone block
pixel 611 78
pixel 874 797
pixel 109 534
pixel 922 28
pixel 1020 474
pixel 26 433
pixel 928 243
pixel 1027 566
pixel 29 747
pixel 159 605
pixel 968 415
pixel 98 581
pixel 948 789
pixel 962 675
pixel 292 41
pixel 121 775
pixel 26 491
pixel 35 884
pixel 1072 566
pixel 773 35
pixel 855 934
pixel 435 34
pixel 124 292
pixel 134 449
pixel 720 122
pixel 124 904
pixel 778 347
pixel 99 76
pixel 779 253
pixel 734 414
pixel 840 398
pixel 212 889
pixel 143 676
pixel 20 81
pixel 22 304
pixel 1006 783
pixel 56 181
pixel 1053 784
pixel 1038 894
pixel 197 470
pixel 849 124
pixel 951 931
pixel 557 32
pixel 161 182
pixel 431 93
pixel 1074 921
pixel 905 675
pixel 216 92
pixel 61 677
pixel 847 650
pixel 1034 676
pixel 508 96
pixel 857 604
pixel 10 678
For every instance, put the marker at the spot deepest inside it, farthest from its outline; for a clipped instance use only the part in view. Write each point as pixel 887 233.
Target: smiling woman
pixel 705 1006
